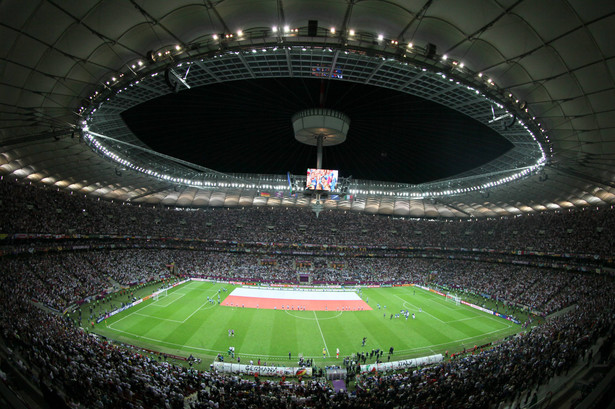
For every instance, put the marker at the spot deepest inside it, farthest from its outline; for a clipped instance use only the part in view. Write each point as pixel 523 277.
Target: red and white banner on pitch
pixel 296 300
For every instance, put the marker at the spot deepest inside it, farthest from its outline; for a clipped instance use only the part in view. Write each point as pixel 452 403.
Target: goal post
pixel 453 298
pixel 160 293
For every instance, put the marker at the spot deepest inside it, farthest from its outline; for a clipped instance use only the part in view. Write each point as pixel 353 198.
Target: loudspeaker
pixel 150 56
pixel 171 81
pixel 312 28
pixel 430 50
pixel 511 123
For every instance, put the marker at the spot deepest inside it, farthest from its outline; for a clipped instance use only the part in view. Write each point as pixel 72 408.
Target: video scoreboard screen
pixel 322 179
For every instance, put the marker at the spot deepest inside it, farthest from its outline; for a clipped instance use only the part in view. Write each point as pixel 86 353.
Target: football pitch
pixel 186 322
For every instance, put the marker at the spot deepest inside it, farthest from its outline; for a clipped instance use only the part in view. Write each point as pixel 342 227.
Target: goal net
pixel 454 298
pixel 158 294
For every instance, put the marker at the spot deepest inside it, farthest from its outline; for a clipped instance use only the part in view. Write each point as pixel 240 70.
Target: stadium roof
pixel 546 69
pixel 393 136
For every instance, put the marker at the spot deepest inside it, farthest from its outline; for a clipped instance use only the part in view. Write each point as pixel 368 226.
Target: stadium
pixel 343 203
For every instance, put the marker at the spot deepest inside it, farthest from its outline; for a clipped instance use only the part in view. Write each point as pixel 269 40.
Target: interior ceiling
pixel 557 55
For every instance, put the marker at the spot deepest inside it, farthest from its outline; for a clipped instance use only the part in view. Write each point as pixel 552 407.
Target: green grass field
pixel 184 322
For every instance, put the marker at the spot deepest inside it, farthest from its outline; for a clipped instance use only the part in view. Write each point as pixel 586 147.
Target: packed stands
pixel 59 249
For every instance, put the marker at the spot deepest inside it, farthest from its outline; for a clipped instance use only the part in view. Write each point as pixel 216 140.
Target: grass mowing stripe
pixel 195 311
pixel 118 319
pixel 272 334
pixel 159 341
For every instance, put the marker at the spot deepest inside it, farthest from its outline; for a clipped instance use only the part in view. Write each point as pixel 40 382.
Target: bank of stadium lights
pixel 199 183
pixel 449 192
pixel 286 29
pixel 351 32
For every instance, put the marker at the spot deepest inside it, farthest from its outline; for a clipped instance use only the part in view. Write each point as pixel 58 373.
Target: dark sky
pixel 245 127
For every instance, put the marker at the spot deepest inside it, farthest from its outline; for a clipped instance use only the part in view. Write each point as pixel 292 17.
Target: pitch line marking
pixel 170 320
pixel 323 337
pixel 464 319
pixel 160 341
pixel 113 323
pixel 451 321
pixel 478 313
pixel 444 322
pixel 473 310
pixel 158 318
pixel 441 303
pixel 183 346
pixel 282 357
pixel 149 305
pixel 418 307
pixel 455 341
pixel 156 302
pixel 200 307
pixel 339 314
pixel 195 311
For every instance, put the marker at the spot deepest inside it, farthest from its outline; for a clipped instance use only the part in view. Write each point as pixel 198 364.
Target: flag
pixel 290 185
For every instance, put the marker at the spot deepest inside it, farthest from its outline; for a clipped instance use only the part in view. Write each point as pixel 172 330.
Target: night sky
pixel 245 127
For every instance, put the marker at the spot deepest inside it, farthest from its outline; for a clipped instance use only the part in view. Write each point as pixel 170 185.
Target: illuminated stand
pixel 320 127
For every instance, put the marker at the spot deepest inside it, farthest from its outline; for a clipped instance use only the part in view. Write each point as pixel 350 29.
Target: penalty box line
pixel 137 312
pixel 408 302
pixel 157 303
pixel 200 307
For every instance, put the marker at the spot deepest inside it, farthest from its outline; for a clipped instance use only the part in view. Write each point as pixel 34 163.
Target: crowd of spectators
pixel 55 280
pixel 58 212
pixel 64 278
pixel 94 373
pixel 485 378
pixel 85 371
pixel 543 290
